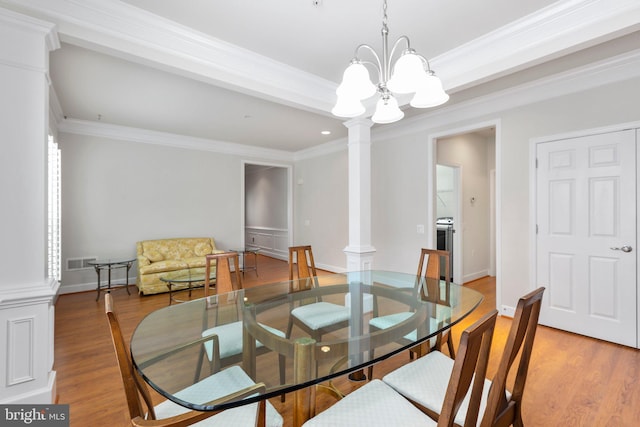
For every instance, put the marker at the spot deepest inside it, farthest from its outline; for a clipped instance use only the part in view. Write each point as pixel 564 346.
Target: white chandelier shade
pixel 411 73
pixel 387 110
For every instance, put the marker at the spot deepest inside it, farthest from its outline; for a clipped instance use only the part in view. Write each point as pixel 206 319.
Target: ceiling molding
pixel 137 35
pixel 615 69
pixel 619 68
pixel 124 133
pixel 561 28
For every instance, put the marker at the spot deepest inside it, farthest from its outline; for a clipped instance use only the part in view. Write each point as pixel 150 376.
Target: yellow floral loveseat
pixel 160 257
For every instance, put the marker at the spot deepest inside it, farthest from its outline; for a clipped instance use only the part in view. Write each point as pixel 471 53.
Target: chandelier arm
pixel 426 61
pixel 375 55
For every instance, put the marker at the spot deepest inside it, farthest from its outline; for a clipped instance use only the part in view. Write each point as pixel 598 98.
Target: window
pixel 53 261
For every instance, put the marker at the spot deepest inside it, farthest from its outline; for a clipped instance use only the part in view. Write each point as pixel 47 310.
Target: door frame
pixel 533 202
pixel 431 189
pixel 289 169
pixel 458 220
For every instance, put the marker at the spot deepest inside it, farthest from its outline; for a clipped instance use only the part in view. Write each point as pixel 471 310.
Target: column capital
pixel 358 121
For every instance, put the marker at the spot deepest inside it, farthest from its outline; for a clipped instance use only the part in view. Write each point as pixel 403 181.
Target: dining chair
pixel 499 406
pixel 224 280
pixel 434 287
pixel 225 346
pixel 214 388
pixel 377 404
pixel 314 316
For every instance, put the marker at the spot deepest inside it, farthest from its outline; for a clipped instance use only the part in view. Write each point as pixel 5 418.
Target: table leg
pixel 129 264
pixel 98 289
pixel 304 362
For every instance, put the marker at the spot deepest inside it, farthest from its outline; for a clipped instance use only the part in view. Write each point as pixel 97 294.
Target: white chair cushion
pixel 218 385
pixel 230 339
pixel 425 381
pixel 321 314
pixel 372 405
pixel 384 322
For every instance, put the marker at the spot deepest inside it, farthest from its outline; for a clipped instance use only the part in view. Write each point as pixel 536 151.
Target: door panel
pixel 586 212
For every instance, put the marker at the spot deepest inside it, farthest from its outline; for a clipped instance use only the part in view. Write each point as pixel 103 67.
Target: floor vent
pixel 79 263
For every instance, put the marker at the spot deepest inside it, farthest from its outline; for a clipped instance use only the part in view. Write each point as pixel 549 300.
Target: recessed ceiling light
pixel 326 132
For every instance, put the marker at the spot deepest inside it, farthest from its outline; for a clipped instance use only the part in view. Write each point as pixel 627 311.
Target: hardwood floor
pixel 573 380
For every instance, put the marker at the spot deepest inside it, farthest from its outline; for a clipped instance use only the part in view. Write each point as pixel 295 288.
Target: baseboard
pixel 474 276
pixel 85 287
pixel 40 396
pixel 508 311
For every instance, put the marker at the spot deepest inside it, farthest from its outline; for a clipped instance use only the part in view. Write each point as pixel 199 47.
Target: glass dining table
pixel 169 349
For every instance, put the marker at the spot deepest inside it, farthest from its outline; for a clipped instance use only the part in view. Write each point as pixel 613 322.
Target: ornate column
pixel 359 251
pixel 26 293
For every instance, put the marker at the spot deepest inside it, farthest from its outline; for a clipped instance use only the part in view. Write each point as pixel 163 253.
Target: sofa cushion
pixel 162 266
pixel 154 256
pixel 202 249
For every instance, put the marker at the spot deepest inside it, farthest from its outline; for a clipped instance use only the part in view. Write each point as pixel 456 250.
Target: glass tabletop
pixel 111 261
pixel 187 277
pixel 181 345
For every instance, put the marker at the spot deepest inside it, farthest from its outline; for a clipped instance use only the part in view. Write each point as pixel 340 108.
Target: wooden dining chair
pixel 215 389
pixel 498 406
pixel 224 272
pixel 313 316
pixel 377 404
pixel 433 285
pixel 225 346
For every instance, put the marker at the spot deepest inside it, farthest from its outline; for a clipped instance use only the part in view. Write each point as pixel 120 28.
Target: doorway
pixel 267 208
pixel 473 155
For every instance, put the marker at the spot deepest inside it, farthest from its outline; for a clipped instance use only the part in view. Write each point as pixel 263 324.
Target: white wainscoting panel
pixel 273 242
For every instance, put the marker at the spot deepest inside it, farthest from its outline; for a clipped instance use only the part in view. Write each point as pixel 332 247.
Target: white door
pixel 586 241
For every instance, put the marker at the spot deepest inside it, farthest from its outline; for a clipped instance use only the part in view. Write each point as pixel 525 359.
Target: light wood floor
pixel 573 380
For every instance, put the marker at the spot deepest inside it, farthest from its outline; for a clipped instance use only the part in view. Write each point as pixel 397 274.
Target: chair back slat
pixel 501 411
pixel 470 366
pixel 224 272
pixel 302 258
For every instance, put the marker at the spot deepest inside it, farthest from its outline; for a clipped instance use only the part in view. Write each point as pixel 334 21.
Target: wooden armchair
pixel 169 414
pixel 225 346
pixel 498 406
pixel 377 404
pixel 434 288
pixel 315 317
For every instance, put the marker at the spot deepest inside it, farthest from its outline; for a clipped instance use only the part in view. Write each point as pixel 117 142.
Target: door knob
pixel 625 248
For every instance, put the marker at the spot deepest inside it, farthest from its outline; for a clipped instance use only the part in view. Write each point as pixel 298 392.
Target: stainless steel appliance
pixel 444 227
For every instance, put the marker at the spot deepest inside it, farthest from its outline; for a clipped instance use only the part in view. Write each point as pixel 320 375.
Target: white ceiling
pixel 264 72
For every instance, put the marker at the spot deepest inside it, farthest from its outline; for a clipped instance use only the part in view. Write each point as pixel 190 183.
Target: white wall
pixel 321 211
pixel 116 193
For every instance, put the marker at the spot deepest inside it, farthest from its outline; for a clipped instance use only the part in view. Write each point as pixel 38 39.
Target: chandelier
pixel 411 73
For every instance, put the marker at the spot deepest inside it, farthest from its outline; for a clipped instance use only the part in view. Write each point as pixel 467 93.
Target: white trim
pixel 120 29
pixel 558 29
pixel 123 30
pixel 124 133
pixel 612 70
pixel 243 226
pixel 431 211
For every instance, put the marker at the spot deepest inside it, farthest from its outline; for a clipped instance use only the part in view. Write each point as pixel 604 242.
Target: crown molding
pixel 615 69
pixel 561 28
pixel 137 35
pixel 130 134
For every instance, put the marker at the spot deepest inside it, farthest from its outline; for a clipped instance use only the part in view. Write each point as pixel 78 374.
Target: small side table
pixel 243 259
pixel 111 264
